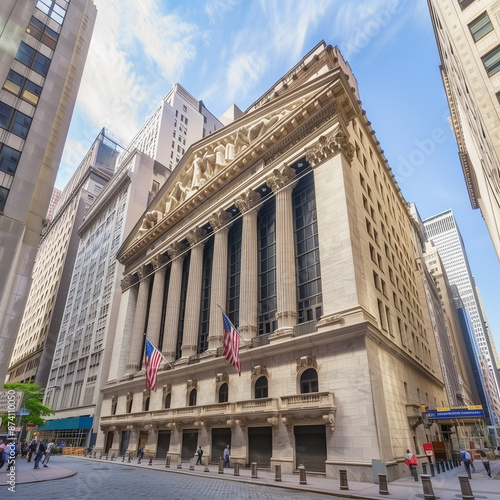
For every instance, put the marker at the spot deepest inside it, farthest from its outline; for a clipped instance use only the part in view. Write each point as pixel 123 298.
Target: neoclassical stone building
pixel 289 220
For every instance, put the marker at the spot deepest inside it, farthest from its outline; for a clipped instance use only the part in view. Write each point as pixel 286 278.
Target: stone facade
pixel 311 240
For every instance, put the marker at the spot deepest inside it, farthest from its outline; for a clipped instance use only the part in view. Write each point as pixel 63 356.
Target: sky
pixel 232 51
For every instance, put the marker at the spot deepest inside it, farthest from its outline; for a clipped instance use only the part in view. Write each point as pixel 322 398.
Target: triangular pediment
pixel 214 161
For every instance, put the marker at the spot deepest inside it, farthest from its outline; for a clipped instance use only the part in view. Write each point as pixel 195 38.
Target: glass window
pixel 480 26
pixel 182 307
pixel 21 124
pixel 35 28
pixel 4 192
pixel 14 82
pixel 491 61
pixel 41 64
pixel 234 272
pixel 6 113
pixel 261 388
pixel 223 393
pixel 50 38
pixel 9 158
pixel 464 3
pixel 168 400
pixel 307 263
pixel 309 381
pixel 192 398
pixel 17 84
pixel 53 10
pixel 266 227
pixel 31 92
pixel 206 285
pixel 146 404
pixel 25 54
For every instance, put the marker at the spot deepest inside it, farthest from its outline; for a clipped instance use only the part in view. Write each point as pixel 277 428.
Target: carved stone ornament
pixel 195 235
pixel 146 393
pixel 144 272
pixel 306 362
pixel 219 219
pixel 280 178
pixel 329 420
pixel 221 377
pixel 192 384
pixel 175 249
pixel 289 421
pixel 328 145
pixel 231 423
pixel 150 220
pixel 167 388
pixel 258 371
pixel 273 421
pixel 157 261
pixel 128 281
pixel 247 201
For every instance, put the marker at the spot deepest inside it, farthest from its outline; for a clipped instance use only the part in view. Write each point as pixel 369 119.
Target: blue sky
pixel 232 51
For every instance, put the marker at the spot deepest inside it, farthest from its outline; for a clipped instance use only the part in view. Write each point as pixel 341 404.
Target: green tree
pixel 32 401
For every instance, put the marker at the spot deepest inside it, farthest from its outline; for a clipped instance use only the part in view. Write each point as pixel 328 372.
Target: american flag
pixel 231 344
pixel 152 360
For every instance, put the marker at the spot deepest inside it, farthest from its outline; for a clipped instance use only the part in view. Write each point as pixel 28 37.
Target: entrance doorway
pixel 124 442
pixel 220 439
pixel 163 444
pixel 310 447
pixel 189 443
pixel 109 441
pixel 143 439
pixel 260 445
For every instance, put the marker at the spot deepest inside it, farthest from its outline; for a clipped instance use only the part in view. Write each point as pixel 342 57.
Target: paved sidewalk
pixel 446 485
pixel 25 473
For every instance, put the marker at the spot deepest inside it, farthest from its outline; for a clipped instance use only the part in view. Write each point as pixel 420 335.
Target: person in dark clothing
pixel 200 454
pixel 42 448
pixel 31 450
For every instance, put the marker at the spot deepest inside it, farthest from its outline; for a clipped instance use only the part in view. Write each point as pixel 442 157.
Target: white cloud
pixel 218 9
pixel 73 154
pixel 243 72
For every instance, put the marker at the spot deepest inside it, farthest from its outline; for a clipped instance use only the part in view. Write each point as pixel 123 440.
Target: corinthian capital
pixel 219 219
pixel 329 145
pixel 157 261
pixel 128 281
pixel 280 177
pixel 247 201
pixel 144 272
pixel 195 235
pixel 175 249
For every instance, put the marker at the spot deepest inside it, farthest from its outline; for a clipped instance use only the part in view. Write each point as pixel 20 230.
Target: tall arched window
pixel 233 272
pixel 206 284
pixel 146 404
pixel 309 381
pixel 114 403
pixel 261 388
pixel 223 393
pixel 168 400
pixel 192 398
pixel 130 400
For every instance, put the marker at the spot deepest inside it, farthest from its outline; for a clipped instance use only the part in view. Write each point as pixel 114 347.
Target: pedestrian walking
pixel 466 459
pixel 2 450
pixel 11 451
pixel 24 448
pixel 411 461
pixel 42 448
pixel 200 454
pixel 31 449
pixel 226 456
pixel 486 463
pixel 48 451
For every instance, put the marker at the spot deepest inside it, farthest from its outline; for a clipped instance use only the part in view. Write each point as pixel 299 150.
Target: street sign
pixel 429 451
pixel 455 412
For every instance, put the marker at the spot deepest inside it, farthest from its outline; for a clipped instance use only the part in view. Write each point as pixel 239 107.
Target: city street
pixel 100 480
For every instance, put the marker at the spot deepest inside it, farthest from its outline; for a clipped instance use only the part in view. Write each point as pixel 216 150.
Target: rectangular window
pixel 33 59
pixel 464 3
pixel 4 193
pixel 25 54
pixel 206 284
pixel 480 27
pixel 9 158
pixel 184 108
pixel 233 272
pixel 22 87
pixel 53 10
pixel 21 124
pixel 491 61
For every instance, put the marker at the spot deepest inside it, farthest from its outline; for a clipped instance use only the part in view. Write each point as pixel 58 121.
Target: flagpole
pixel 231 323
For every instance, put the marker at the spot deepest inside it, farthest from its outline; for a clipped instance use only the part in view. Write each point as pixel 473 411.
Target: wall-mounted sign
pixel 475 411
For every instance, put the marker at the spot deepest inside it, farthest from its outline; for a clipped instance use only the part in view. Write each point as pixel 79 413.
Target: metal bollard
pixel 447 464
pixel 465 487
pixel 167 462
pixel 191 464
pixel 139 460
pixel 438 469
pixel 427 485
pixel 431 465
pixel 382 485
pixel 129 458
pixel 221 466
pixel 254 470
pixel 206 469
pixel 277 473
pixel 123 459
pixel 150 460
pixel 424 469
pixel 451 464
pixel 179 462
pixel 344 485
pixel 236 466
pixel 415 473
pixel 302 474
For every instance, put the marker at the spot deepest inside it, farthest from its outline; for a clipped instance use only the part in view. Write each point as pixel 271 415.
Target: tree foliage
pixel 32 401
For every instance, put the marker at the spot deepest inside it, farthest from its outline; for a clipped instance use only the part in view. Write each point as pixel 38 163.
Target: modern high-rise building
pixel 176 123
pixel 443 231
pixel 54 199
pixel 43 48
pixel 290 220
pixel 43 315
pixel 86 336
pixel 468 38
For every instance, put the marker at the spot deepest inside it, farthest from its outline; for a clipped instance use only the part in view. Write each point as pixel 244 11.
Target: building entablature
pixel 293 409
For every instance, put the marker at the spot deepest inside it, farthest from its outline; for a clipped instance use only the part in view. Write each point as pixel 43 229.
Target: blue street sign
pixel 454 413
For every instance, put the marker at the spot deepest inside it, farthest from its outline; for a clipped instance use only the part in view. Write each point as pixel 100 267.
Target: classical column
pixel 330 158
pixel 173 301
pixel 249 265
pixel 282 184
pixel 138 330
pixel 156 306
pixel 193 297
pixel 219 222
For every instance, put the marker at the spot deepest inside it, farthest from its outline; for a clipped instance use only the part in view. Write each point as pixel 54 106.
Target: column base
pixel 281 334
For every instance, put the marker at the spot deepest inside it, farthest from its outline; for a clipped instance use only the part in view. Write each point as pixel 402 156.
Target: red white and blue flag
pixel 152 360
pixel 231 343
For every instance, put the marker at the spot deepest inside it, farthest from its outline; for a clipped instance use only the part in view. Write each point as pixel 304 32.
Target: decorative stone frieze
pixel 192 384
pixel 306 362
pixel 328 145
pixel 221 377
pixel 258 371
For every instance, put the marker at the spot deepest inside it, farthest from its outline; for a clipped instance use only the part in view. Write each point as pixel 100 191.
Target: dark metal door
pixel 189 444
pixel 220 439
pixel 260 445
pixel 163 444
pixel 310 447
pixel 124 442
pixel 109 441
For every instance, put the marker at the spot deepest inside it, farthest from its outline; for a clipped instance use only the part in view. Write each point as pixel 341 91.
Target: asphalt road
pixel 101 481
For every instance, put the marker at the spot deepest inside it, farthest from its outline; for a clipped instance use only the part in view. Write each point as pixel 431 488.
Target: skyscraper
pixel 443 231
pixel 43 47
pixel 468 38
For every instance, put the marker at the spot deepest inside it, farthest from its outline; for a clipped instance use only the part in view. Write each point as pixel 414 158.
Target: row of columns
pixel 281 182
